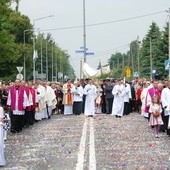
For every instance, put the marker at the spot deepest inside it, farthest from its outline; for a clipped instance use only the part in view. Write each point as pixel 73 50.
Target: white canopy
pixel 92 72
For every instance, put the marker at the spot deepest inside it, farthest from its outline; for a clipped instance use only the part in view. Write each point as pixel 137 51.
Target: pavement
pixel 84 143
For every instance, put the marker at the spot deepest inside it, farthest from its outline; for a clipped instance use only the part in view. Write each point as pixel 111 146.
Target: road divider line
pixel 92 156
pixel 82 147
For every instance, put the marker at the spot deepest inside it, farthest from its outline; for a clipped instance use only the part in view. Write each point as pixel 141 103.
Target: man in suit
pixel 109 96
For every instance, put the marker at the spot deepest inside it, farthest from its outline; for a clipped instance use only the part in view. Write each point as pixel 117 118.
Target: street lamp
pixel 24 52
pixel 151 64
pixel 34 40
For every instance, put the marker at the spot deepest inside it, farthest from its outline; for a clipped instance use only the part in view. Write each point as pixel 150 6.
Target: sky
pixel 103 40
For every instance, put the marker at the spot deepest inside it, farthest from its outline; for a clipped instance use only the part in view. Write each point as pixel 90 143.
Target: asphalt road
pixel 78 142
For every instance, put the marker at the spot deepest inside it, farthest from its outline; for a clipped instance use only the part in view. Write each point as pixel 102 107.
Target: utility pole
pixel 138 55
pixel 80 69
pixel 47 58
pixel 41 57
pixel 34 41
pixel 123 65
pixel 150 58
pixel 84 28
pixel 169 40
pixel 33 53
pixel 56 70
pixel 52 67
pixel 131 55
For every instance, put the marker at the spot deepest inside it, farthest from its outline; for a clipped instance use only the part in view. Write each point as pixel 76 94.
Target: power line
pixel 126 19
pixel 104 23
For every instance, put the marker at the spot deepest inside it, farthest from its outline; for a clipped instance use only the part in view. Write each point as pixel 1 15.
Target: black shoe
pixel 13 131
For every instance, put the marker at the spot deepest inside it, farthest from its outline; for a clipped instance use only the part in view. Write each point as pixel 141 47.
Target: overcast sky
pixel 103 40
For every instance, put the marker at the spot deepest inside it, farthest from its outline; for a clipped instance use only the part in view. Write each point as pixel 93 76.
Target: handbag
pixel 156 114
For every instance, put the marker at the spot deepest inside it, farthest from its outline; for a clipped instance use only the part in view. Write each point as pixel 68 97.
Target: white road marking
pixel 82 147
pixel 92 157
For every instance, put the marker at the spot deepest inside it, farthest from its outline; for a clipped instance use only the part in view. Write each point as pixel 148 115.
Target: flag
pixel 35 55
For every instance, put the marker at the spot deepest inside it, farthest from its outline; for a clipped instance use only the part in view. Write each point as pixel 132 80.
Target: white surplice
pixel 118 103
pixel 90 92
pixel 143 100
pixel 42 103
pixel 50 97
pixel 25 102
pixel 2 158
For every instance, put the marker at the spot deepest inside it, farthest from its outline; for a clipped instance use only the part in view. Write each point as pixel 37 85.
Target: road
pixel 78 142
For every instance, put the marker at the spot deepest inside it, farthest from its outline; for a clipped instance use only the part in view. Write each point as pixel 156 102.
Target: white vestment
pixel 42 103
pixel 68 109
pixel 143 100
pixel 77 93
pixel 90 92
pixel 50 97
pixel 2 158
pixel 118 103
pixel 165 98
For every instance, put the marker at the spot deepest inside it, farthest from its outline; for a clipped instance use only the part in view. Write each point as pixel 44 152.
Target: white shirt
pixel 77 93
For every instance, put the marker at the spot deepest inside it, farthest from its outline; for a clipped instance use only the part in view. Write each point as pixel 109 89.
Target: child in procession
pixel 155 117
pixel 6 121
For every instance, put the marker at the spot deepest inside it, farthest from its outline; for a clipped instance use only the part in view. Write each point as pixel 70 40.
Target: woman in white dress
pixel 2 158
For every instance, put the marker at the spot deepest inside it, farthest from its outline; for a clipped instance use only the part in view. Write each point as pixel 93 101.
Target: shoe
pixel 13 131
pixel 157 136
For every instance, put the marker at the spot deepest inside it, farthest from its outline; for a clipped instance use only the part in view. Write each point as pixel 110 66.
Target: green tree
pixel 163 47
pixel 118 62
pixel 154 35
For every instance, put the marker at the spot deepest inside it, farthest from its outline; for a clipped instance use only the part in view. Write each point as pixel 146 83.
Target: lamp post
pixel 52 62
pixel 24 53
pixel 47 58
pixel 138 44
pixel 169 40
pixel 34 40
pixel 151 58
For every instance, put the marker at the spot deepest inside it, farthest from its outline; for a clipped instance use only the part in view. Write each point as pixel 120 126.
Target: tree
pixel 163 47
pixel 154 35
pixel 118 62
pixel 60 57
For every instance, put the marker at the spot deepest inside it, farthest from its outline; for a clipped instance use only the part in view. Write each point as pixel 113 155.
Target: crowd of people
pixel 24 103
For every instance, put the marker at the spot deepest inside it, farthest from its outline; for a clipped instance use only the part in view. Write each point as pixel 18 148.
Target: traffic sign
pixel 89 53
pixel 20 76
pixel 84 48
pixel 128 72
pixel 136 74
pixel 79 51
pixel 167 65
pixel 19 69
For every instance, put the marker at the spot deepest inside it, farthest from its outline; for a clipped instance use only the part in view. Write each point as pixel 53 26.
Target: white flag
pixel 35 55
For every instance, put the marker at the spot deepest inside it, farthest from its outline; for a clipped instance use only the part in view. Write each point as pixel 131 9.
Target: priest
pixel 18 101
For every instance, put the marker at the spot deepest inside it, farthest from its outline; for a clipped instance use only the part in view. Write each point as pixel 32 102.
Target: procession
pixel 25 103
pixel 84 85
